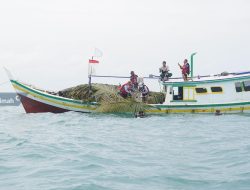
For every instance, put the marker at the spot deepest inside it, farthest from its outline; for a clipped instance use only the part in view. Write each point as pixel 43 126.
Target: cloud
pixel 54 39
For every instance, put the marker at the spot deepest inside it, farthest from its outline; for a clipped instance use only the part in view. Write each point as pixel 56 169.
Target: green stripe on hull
pixel 202 106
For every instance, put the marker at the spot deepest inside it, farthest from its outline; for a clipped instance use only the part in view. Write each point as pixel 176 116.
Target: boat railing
pixel 151 76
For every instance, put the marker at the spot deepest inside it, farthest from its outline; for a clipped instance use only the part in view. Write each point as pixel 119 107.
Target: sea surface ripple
pixel 115 152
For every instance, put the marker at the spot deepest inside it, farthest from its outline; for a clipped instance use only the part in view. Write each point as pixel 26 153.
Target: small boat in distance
pixel 222 93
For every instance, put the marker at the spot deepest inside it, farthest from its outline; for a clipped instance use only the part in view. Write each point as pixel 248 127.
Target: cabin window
pixel 178 93
pixel 216 89
pixel 238 87
pixel 246 85
pixel 201 90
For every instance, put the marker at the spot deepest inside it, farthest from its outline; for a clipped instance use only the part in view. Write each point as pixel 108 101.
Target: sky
pixel 47 43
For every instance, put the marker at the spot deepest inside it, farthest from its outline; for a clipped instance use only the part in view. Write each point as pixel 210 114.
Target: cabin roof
pixel 207 79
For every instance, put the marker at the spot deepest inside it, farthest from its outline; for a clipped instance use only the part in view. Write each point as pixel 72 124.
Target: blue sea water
pixel 104 151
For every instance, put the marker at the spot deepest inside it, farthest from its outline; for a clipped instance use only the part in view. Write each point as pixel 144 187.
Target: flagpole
pixel 90 73
pixel 97 53
pixel 90 85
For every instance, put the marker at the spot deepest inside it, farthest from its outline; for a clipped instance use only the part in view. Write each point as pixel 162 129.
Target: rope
pixel 104 76
pixel 4 83
pixel 109 76
pixel 157 77
pixel 150 77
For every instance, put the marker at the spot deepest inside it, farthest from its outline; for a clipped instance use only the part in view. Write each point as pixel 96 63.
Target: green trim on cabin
pixel 191 83
pixel 52 96
pixel 181 85
pixel 202 105
pixel 183 101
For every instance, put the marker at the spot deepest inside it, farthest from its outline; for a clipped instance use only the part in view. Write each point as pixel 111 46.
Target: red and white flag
pixel 93 61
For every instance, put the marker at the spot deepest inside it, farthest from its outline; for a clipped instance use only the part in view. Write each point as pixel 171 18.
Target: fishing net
pixel 110 100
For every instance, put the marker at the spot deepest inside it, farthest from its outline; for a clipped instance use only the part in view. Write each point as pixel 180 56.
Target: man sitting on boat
pixel 185 69
pixel 126 89
pixel 164 70
pixel 133 79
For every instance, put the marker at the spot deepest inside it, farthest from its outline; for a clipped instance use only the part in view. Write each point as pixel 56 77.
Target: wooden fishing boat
pixel 228 93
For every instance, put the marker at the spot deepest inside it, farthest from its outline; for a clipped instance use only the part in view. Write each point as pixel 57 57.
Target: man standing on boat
pixel 185 69
pixel 133 79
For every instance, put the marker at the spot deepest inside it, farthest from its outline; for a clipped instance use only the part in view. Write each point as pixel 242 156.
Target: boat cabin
pixel 209 90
